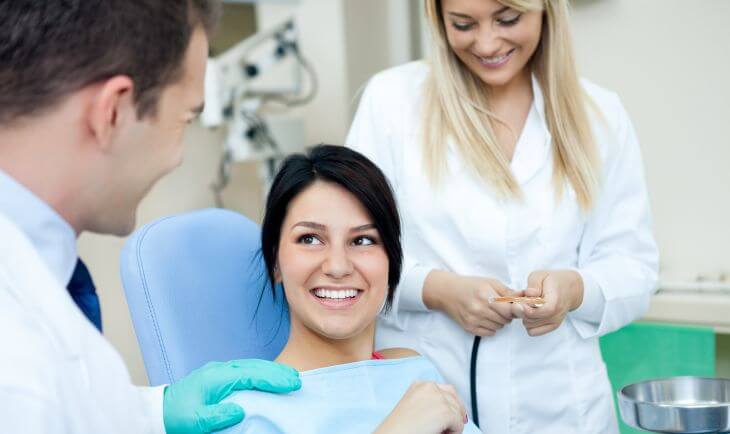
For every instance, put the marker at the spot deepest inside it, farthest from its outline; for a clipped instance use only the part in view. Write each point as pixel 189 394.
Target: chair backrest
pixel 196 288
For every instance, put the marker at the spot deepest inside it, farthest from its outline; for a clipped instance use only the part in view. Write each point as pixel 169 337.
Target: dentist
pixel 513 176
pixel 94 99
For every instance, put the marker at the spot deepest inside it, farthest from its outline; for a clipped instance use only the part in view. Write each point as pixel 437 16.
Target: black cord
pixel 473 380
pixel 224 177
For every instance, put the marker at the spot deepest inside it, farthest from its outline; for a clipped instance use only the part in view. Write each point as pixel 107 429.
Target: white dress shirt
pixel 57 372
pixel 555 383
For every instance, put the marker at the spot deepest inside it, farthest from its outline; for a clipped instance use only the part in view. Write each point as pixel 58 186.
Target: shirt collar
pixel 52 237
pixel 532 150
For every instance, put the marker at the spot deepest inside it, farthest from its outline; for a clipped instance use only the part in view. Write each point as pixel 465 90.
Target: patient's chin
pixel 342 328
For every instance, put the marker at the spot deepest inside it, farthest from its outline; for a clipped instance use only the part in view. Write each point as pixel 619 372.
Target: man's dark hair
pixel 52 48
pixel 353 172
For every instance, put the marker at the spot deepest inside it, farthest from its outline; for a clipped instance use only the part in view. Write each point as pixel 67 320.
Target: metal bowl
pixel 689 405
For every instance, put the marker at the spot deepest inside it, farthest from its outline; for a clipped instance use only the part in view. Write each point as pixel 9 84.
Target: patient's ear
pixel 277 274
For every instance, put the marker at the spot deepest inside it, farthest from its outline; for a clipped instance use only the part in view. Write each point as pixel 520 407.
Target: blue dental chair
pixel 196 288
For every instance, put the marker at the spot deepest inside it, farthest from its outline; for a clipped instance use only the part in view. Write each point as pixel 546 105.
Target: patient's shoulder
pixel 398 353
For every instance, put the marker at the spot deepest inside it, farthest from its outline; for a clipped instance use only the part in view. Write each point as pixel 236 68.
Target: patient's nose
pixel 337 264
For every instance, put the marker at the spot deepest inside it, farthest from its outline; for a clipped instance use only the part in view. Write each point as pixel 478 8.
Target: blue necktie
pixel 82 290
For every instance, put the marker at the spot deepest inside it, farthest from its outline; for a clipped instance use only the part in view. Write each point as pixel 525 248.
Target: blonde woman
pixel 514 177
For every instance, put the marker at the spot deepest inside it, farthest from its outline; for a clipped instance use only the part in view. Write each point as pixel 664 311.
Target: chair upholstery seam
pixel 150 306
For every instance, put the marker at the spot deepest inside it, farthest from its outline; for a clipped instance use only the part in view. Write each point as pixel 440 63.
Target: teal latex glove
pixel 192 405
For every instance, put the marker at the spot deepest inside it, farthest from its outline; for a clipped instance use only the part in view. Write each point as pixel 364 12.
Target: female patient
pixel 331 237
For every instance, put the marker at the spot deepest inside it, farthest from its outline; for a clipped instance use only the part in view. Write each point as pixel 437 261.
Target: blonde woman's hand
pixel 562 291
pixel 466 300
pixel 426 408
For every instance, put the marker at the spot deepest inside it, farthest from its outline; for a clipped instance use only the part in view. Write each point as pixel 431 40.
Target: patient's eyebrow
pixel 321 227
pixel 311 225
pixel 363 227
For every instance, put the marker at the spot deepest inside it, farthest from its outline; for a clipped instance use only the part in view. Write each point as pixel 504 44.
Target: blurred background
pixel 669 60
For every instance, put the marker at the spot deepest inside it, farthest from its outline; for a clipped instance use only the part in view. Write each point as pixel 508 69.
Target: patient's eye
pixel 308 239
pixel 364 240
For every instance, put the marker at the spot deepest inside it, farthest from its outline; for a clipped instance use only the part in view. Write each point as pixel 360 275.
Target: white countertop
pixel 710 309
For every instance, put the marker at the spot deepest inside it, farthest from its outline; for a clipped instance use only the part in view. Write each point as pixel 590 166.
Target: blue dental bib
pixel 353 398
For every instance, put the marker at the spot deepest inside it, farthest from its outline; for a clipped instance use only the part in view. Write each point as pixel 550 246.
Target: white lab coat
pixel 57 372
pixel 555 383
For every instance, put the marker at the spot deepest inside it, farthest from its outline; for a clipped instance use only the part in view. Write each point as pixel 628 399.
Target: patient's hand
pixel 426 408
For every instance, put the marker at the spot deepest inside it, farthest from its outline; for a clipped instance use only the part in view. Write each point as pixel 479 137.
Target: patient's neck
pixel 308 350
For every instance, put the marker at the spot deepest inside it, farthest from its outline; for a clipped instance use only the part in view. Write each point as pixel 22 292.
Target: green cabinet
pixel 643 351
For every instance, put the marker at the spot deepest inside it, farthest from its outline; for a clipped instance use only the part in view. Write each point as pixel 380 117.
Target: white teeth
pixel 335 294
pixel 495 59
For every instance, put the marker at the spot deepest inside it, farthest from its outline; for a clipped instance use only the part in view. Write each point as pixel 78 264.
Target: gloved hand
pixel 192 405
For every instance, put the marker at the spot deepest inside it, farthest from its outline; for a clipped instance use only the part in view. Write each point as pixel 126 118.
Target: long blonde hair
pixel 456 106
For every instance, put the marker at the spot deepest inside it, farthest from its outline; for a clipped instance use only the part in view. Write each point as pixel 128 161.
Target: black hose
pixel 473 380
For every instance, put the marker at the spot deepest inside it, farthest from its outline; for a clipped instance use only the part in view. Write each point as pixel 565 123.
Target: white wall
pixel 670 62
pixel 378 35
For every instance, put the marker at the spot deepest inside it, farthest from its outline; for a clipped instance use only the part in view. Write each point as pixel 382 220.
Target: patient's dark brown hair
pixel 350 170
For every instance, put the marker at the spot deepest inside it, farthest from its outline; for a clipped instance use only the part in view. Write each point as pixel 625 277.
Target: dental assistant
pixel 513 176
pixel 94 99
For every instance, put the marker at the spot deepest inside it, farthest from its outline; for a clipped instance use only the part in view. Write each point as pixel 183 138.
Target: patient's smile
pixel 336 298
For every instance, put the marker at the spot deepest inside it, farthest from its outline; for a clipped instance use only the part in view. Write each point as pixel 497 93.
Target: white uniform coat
pixel 556 383
pixel 58 375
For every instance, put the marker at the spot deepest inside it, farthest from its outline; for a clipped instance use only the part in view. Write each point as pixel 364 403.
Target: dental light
pixel 235 97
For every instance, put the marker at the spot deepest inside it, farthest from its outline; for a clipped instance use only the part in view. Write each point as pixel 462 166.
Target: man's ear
pixel 113 104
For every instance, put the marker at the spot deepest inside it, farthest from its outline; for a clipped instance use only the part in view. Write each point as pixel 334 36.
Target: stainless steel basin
pixel 677 405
